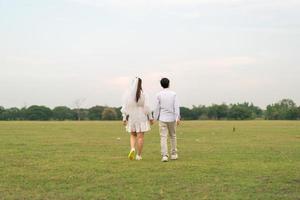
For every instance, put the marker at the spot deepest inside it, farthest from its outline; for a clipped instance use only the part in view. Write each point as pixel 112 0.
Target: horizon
pixel 190 107
pixel 56 52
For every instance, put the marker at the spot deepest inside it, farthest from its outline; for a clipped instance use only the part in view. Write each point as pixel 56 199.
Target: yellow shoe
pixel 131 154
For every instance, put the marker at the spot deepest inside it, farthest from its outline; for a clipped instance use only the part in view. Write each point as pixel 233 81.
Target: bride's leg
pixel 132 140
pixel 140 143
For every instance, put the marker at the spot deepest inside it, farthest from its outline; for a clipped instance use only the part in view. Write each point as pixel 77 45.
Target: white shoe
pixel 165 159
pixel 174 157
pixel 138 157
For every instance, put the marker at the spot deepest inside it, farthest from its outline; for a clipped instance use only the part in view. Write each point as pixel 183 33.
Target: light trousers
pixel 165 129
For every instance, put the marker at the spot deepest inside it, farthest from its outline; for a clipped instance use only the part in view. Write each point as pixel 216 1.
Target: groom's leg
pixel 163 129
pixel 173 140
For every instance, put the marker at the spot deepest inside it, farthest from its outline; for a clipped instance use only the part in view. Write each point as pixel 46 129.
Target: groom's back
pixel 167 98
pixel 167 105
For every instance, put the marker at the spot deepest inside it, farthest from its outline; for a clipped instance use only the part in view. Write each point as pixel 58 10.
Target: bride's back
pixel 141 101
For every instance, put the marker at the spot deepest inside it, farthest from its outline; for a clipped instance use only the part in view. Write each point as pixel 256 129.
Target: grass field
pixel 85 160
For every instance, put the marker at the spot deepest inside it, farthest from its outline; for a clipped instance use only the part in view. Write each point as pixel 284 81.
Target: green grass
pixel 85 160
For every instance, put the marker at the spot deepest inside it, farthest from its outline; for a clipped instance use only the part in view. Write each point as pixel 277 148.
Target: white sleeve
pixel 177 108
pixel 124 112
pixel 157 108
pixel 124 109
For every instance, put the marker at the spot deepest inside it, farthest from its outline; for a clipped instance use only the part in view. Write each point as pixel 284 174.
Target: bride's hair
pixel 139 90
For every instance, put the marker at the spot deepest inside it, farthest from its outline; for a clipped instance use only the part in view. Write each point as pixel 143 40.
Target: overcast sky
pixel 53 52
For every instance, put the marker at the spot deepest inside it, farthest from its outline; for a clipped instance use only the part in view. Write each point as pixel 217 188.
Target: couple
pixel 137 117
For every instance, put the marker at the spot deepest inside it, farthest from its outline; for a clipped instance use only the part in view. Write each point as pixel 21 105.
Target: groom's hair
pixel 165 83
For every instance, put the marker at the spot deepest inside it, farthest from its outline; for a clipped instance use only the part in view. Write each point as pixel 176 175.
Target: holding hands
pixel 151 122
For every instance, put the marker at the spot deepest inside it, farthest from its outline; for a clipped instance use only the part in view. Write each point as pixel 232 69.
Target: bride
pixel 137 117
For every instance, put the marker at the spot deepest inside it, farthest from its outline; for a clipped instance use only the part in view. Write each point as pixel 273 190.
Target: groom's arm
pixel 157 108
pixel 177 109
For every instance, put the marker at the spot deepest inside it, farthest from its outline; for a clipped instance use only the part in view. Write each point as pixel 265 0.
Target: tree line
pixel 285 109
pixel 61 113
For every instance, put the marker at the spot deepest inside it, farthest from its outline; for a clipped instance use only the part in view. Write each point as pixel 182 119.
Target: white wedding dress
pixel 138 113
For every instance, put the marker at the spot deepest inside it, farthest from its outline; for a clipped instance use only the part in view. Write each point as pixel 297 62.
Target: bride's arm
pixel 124 113
pixel 147 108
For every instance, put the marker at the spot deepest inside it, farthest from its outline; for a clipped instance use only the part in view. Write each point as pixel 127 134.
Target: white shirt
pixel 167 106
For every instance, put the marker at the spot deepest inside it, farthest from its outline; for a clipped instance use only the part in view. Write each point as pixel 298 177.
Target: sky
pixel 55 52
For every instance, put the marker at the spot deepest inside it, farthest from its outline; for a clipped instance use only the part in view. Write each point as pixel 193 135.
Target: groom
pixel 168 113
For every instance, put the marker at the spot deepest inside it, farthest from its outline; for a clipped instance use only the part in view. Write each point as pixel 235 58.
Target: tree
pixel 119 113
pixel 38 113
pixel 11 114
pixel 23 113
pixel 78 103
pixel 272 112
pixel 218 111
pixel 289 109
pixel 256 111
pixel 293 114
pixel 240 111
pixel 63 113
pixel 81 114
pixel 222 111
pixel 199 112
pixel 109 114
pixel 2 109
pixel 287 103
pixel 285 109
pixel 186 113
pixel 95 113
